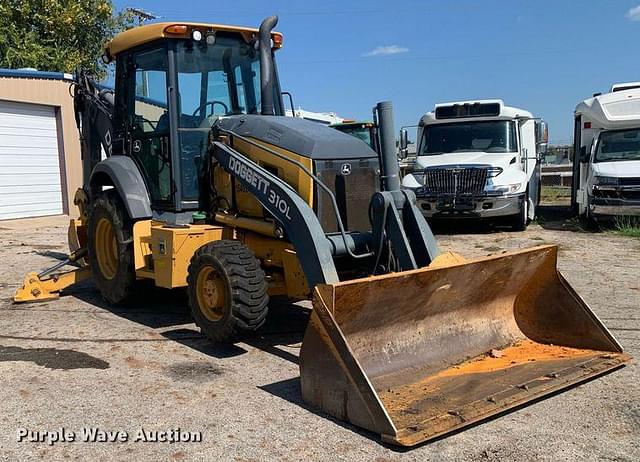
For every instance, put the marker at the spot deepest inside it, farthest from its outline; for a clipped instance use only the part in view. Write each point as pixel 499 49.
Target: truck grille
pixel 455 181
pixel 353 193
pixel 630 181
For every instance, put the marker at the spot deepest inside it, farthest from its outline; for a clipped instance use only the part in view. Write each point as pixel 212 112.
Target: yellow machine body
pixel 163 254
pixel 289 172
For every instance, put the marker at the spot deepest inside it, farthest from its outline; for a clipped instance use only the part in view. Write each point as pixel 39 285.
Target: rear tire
pixel 227 291
pixel 111 249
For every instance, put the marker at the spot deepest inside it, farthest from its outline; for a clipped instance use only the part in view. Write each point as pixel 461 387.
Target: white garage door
pixel 30 180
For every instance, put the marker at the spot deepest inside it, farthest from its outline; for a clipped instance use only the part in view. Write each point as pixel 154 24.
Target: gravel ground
pixel 77 362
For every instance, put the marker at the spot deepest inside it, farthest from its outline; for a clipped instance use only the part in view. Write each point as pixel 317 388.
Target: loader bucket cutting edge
pixel 416 355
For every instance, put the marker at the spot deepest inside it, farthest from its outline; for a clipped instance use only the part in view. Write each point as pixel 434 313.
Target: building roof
pixel 150 32
pixel 34 74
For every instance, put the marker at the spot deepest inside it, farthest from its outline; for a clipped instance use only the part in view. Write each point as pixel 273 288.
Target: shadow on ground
pixel 167 312
pixel 548 216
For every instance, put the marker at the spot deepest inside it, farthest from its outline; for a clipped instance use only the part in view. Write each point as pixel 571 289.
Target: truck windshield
pixel 618 145
pixel 486 136
pixel 214 80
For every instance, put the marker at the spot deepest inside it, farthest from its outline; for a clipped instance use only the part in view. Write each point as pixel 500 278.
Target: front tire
pixel 521 220
pixel 111 249
pixel 227 291
pixel 592 223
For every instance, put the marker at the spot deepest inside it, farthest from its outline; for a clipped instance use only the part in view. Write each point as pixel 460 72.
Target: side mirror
pixel 584 156
pixel 404 143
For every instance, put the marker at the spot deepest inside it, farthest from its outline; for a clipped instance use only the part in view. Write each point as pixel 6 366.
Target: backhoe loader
pixel 193 178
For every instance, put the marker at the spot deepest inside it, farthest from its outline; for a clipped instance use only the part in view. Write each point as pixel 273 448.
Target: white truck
pixel 606 167
pixel 478 159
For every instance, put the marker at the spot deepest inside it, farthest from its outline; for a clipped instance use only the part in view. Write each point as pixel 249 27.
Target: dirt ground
pixel 77 362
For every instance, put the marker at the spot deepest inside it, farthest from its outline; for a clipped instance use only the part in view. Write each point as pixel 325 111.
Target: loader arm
pixel 296 217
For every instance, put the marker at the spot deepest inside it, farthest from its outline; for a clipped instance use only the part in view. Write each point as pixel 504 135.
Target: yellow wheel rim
pixel 106 249
pixel 210 289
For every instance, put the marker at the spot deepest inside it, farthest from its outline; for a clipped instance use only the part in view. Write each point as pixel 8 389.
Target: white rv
pixel 478 159
pixel 606 168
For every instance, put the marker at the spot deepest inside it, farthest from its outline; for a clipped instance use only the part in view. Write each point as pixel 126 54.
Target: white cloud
pixel 634 14
pixel 386 50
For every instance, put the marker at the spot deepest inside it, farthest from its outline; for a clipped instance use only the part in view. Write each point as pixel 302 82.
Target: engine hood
pixel 619 169
pixel 303 137
pixel 460 159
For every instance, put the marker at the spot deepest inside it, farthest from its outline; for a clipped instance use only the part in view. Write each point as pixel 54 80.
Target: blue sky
pixel 344 56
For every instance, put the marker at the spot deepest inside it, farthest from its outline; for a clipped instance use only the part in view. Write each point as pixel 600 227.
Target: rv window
pixel 618 145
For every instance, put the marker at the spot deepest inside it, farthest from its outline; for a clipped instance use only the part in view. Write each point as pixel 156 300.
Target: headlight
pixel 605 180
pixel 493 172
pixel 419 176
pixel 505 188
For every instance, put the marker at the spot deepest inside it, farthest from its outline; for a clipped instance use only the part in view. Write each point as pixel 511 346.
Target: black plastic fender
pixel 123 174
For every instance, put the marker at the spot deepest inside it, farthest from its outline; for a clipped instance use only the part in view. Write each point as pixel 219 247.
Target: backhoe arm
pixel 93 112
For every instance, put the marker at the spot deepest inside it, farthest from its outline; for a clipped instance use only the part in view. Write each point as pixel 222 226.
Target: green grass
pixel 555 193
pixel 538 220
pixel 627 226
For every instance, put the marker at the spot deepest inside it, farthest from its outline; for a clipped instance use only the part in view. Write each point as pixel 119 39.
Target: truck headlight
pixel 504 189
pixel 493 172
pixel 419 176
pixel 605 180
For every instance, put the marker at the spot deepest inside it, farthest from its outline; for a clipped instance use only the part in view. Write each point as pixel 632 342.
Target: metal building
pixel 40 166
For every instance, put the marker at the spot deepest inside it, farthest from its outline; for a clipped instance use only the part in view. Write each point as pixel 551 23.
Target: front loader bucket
pixel 416 355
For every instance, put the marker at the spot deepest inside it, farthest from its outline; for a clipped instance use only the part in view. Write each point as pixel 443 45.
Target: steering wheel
pixel 203 106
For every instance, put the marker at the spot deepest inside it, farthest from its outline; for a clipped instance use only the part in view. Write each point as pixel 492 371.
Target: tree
pixel 58 35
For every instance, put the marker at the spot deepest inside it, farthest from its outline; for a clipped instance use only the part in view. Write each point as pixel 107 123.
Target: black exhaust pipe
pixel 266 65
pixel 383 114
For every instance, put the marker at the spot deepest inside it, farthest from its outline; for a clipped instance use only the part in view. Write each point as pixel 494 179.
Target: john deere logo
pixel 345 169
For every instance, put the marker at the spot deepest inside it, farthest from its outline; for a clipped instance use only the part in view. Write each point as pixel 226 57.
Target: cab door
pixel 147 122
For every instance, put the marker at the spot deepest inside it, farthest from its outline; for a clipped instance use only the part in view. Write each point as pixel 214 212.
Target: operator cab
pixel 172 82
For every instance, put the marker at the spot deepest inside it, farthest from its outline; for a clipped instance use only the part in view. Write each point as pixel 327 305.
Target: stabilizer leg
pixel 38 287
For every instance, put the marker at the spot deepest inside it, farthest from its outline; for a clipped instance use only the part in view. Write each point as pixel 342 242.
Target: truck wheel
pixel 592 223
pixel 110 248
pixel 521 220
pixel 227 291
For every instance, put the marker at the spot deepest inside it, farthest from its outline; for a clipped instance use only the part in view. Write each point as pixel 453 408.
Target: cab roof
pixel 618 109
pixel 455 112
pixel 148 33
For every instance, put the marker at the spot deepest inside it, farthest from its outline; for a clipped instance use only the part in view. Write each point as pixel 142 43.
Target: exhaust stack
pixel 266 65
pixel 388 158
